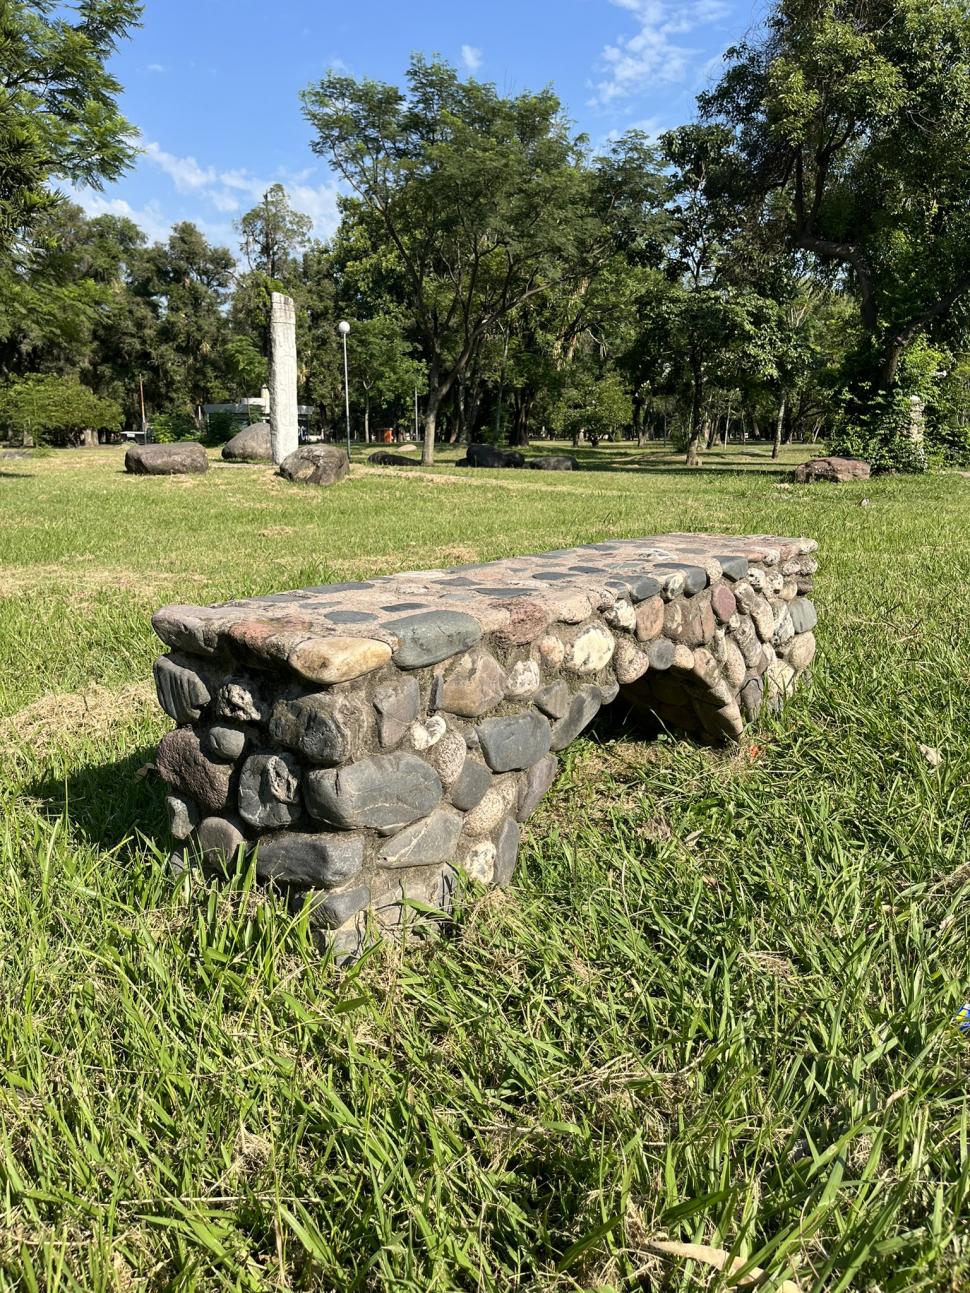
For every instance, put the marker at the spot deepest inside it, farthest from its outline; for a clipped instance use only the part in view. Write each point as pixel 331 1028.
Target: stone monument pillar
pixel 282 378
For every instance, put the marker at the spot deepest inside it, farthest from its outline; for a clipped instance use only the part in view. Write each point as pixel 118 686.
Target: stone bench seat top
pixel 333 633
pixel 370 743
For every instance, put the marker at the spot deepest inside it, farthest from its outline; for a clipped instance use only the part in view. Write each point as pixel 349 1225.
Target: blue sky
pixel 213 85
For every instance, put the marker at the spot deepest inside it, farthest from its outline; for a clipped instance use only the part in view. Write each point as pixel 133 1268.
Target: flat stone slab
pixel 418 716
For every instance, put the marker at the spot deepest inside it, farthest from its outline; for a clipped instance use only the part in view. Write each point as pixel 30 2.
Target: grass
pixel 716 1005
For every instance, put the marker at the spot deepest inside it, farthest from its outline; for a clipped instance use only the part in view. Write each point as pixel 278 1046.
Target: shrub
pixel 47 409
pixel 174 424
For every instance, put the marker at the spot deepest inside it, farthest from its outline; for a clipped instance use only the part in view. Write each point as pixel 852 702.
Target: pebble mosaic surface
pixel 377 739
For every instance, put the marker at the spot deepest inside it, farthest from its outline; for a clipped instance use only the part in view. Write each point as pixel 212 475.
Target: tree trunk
pixel 430 425
pixel 366 418
pixel 697 427
pixel 779 425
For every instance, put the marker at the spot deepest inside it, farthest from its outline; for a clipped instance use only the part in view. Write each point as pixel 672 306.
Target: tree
pixel 853 119
pixel 58 103
pixel 382 365
pixel 272 235
pixel 41 408
pixel 481 200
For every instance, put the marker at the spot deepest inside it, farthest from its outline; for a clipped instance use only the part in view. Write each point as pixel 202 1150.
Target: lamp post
pixel 343 327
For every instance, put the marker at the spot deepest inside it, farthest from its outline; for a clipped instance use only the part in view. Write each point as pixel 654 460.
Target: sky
pixel 213 85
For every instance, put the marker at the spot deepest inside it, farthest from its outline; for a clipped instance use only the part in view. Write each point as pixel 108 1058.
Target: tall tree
pixel 853 116
pixel 58 103
pixel 482 201
pixel 273 235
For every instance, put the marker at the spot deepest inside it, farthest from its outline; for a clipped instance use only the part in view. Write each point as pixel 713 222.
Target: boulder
pixel 316 464
pixel 384 459
pixel 834 469
pixel 252 444
pixel 166 459
pixel 487 455
pixel 554 462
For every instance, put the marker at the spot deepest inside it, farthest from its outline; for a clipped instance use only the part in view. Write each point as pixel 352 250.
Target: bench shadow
pixel 109 804
pixel 17 475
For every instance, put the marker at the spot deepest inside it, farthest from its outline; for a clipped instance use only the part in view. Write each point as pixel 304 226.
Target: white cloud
pixel 156 67
pixel 656 52
pixel 229 190
pixel 471 57
pixel 149 218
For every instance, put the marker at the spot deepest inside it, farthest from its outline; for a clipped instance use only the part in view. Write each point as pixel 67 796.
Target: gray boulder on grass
pixel 166 459
pixel 833 468
pixel 251 444
pixel 554 462
pixel 316 464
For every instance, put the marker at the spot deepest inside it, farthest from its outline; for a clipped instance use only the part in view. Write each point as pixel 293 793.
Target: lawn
pixel 716 1006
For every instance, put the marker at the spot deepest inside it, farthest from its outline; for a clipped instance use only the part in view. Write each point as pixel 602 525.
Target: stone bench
pixel 375 738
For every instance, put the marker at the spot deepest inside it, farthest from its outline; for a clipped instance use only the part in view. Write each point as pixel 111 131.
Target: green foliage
pixel 594 403
pixel 852 127
pixel 715 1004
pixel 174 424
pixel 58 103
pixel 222 426
pixel 479 201
pixel 47 409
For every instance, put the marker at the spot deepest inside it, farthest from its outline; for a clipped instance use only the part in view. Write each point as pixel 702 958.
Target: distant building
pixel 255 408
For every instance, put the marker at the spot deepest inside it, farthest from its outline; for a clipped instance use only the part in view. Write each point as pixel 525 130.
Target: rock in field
pixel 316 464
pixel 166 459
pixel 554 462
pixel 252 444
pixel 834 469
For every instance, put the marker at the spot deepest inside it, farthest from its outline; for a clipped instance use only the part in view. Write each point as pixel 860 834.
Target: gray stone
pixel 661 653
pixel 315 464
pixel 475 685
pixel 447 757
pixel 432 636
pixel 239 698
pixel 734 568
pixel 524 678
pixel 609 691
pixel 314 861
pixel 269 790
pixel 218 840
pixel 533 784
pixel 183 816
pixel 591 650
pixel 181 458
pixel 833 469
pixel 331 910
pixel 803 615
pixel 181 691
pixel 325 728
pixel 506 852
pixel 251 444
pixel 471 786
pixel 695 577
pixel 498 802
pixel 513 743
pixel 283 407
pixel 750 699
pixel 224 742
pixel 181 762
pixel 629 661
pixel 397 704
pixel 554 699
pixel 385 792
pixel 425 842
pixel 583 709
pixel 553 462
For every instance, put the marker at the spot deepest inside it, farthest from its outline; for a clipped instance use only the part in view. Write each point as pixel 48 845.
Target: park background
pixel 717 1005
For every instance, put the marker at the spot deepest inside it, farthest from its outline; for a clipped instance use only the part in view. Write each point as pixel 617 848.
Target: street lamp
pixel 343 327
